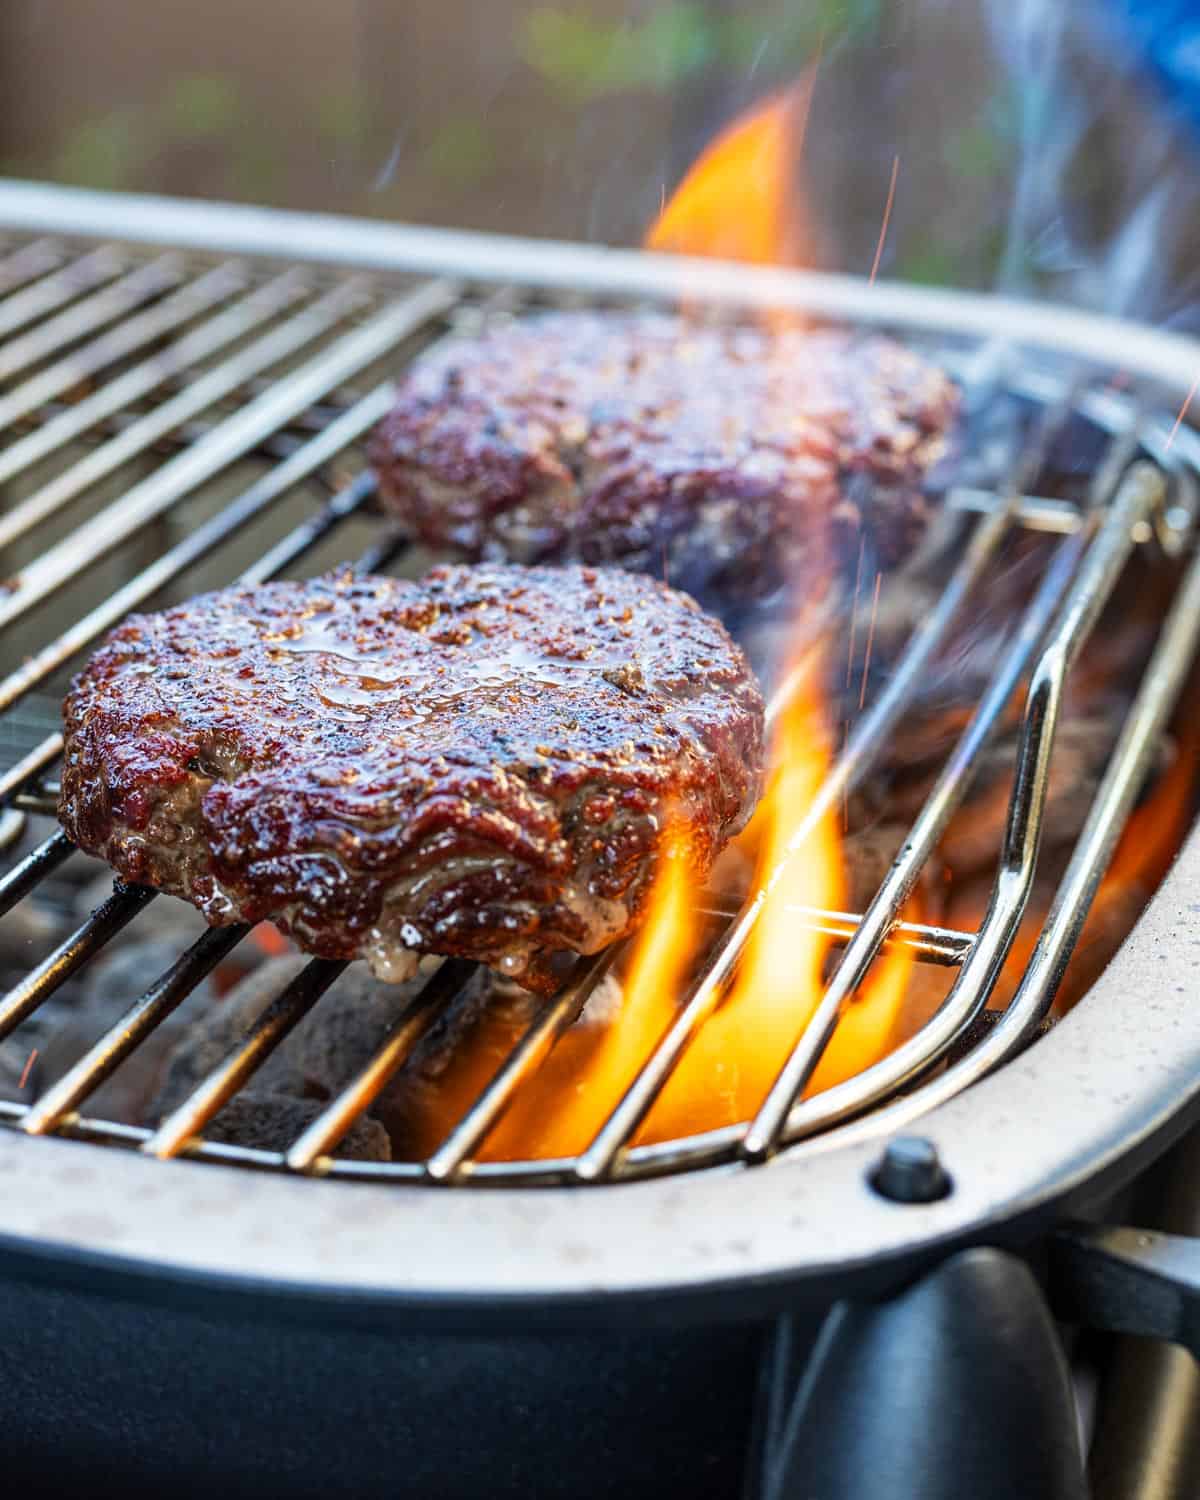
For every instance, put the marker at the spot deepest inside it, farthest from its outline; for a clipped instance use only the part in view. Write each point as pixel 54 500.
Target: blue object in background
pixel 1166 36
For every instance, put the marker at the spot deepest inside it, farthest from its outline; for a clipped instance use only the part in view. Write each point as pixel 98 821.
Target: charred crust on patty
pixel 737 458
pixel 479 764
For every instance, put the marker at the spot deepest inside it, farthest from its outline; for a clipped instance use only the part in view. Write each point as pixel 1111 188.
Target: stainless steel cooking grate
pixel 144 375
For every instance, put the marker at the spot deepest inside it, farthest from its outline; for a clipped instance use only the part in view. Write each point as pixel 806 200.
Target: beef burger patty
pixel 738 458
pixel 482 764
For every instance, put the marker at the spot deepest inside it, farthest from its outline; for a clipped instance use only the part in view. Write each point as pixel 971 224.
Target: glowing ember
pixel 270 940
pixel 887 214
pixel 28 1068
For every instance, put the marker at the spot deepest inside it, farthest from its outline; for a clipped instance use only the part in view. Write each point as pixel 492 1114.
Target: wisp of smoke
pixel 1106 198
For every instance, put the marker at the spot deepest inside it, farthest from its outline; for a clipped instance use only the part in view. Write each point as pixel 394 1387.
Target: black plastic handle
pixel 1139 1281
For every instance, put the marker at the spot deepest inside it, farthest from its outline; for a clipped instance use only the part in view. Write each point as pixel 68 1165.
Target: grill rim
pixel 515 1251
pixel 347 243
pixel 1024 1146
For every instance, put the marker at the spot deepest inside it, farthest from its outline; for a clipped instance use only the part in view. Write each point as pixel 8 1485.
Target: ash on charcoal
pixel 325 1051
pixel 271 1122
pixel 220 1028
pixel 81 1010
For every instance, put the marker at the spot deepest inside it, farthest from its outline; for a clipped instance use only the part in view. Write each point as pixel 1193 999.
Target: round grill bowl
pixel 196 1326
pixel 1077 1112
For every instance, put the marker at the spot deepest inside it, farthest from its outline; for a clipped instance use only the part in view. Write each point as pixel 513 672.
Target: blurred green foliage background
pixel 570 119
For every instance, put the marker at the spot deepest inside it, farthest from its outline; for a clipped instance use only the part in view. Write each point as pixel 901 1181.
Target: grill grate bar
pixel 602 1157
pixel 1136 499
pixel 127 901
pixel 30 768
pixel 130 335
pixel 236 437
pixel 252 503
pixel 232 439
pixel 306 536
pixel 33 869
pixel 446 1163
pixel 54 291
pixel 204 448
pixel 291 547
pixel 226 443
pixel 90 314
pixel 29 262
pixel 1162 684
pixel 870 732
pixel 383 553
pixel 12 827
pixel 104 923
pixel 117 396
pixel 102 1060
pixel 101 1132
pixel 311 1151
pixel 154 1007
pixel 41 799
pixel 1034 512
pixel 113 1133
pixel 286 1011
pixel 945 946
pixel 449 1163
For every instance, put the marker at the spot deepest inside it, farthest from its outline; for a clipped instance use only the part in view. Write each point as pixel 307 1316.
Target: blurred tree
pixel 105 152
pixel 202 106
pixel 586 56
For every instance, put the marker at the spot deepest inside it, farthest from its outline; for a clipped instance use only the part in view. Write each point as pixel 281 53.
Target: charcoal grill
pixel 176 340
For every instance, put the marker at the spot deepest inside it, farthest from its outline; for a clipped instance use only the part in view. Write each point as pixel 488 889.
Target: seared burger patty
pixel 727 456
pixel 482 763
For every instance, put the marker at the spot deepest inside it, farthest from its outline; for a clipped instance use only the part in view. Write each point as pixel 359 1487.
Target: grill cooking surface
pixel 142 379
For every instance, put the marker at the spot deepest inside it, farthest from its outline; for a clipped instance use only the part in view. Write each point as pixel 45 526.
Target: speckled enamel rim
pixel 1078 1112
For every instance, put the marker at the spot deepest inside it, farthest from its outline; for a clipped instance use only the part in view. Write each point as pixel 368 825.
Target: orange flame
pixel 737 201
pixel 741 201
pixel 561 1109
pixel 725 1073
pixel 727 1070
pixel 871 1023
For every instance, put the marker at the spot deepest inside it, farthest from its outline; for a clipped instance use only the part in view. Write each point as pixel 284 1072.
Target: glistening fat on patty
pixel 480 764
pixel 738 459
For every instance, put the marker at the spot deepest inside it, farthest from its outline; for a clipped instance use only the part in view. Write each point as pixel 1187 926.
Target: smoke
pixel 387 173
pixel 1046 147
pixel 1031 37
pixel 1105 203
